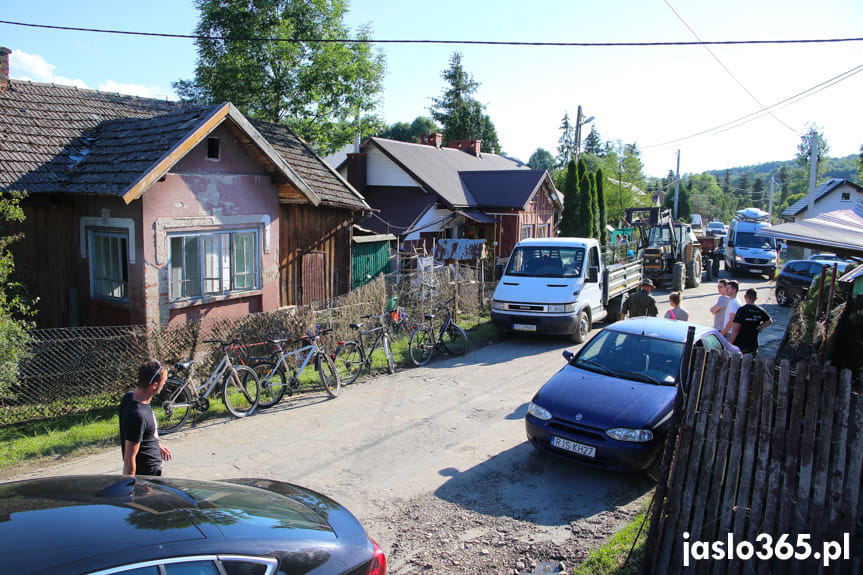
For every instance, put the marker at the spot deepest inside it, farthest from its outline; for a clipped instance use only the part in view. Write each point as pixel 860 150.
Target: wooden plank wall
pixel 763 449
pixel 304 229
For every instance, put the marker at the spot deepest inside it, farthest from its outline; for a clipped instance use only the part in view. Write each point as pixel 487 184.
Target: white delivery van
pixel 745 250
pixel 561 286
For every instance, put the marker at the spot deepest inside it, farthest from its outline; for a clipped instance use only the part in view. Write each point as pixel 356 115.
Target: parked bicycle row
pixel 247 381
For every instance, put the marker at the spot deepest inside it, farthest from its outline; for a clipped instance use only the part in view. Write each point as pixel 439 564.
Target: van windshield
pixel 750 240
pixel 545 261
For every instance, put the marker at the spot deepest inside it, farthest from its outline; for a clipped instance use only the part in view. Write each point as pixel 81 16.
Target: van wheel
pixel 581 328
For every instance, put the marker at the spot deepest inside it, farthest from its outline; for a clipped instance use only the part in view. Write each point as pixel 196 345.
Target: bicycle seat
pixel 184 365
pixel 357 325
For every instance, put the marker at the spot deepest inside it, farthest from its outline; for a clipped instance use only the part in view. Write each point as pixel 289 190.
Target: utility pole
pixel 677 185
pixel 770 210
pixel 578 134
pixel 813 172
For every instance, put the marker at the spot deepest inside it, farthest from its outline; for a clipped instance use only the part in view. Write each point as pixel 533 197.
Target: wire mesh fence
pixel 72 370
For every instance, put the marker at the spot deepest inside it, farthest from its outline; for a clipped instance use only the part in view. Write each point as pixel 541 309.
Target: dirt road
pixel 432 460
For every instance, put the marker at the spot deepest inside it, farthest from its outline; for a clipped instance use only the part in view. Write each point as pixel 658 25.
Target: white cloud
pixel 24 66
pixel 136 90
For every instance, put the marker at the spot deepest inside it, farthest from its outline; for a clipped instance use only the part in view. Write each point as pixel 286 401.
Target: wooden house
pixel 422 192
pixel 143 211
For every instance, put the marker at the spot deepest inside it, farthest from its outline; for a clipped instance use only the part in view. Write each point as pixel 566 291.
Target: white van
pixel 745 250
pixel 561 286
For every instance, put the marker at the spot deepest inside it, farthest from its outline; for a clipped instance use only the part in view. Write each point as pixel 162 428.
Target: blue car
pixel 610 406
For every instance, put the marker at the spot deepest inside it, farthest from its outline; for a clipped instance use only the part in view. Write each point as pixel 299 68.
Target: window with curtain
pixel 109 265
pixel 213 263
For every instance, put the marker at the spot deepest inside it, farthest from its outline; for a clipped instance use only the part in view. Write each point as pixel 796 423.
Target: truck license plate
pixel 755 270
pixel 572 446
pixel 524 326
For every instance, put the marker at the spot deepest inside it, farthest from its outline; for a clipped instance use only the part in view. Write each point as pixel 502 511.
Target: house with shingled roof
pixel 427 191
pixel 143 211
pixel 834 194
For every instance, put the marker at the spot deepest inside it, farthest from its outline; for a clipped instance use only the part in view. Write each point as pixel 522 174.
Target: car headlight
pixel 631 435
pixel 498 305
pixel 562 308
pixel 772 259
pixel 538 411
pixel 738 258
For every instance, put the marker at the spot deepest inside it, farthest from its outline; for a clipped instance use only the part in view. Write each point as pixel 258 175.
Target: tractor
pixel 669 250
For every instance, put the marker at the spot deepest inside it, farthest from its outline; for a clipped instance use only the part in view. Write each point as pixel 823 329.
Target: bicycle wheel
pixel 349 362
pixel 273 383
pixel 455 340
pixel 388 354
pixel 328 374
pixel 172 405
pixel 241 391
pixel 421 345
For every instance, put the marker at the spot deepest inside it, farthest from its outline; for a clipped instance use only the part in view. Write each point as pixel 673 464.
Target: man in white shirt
pixel 734 304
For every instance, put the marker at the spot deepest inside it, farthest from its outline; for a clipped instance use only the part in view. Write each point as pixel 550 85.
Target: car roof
pixel 673 330
pixel 97 521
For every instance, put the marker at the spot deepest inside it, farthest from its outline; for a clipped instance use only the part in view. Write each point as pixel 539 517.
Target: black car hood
pixel 94 520
pixel 603 401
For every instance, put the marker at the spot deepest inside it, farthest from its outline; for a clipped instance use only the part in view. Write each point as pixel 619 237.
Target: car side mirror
pixel 730 244
pixel 593 274
pixel 568 355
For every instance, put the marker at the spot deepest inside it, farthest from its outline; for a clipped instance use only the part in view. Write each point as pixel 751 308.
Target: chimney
pixel 357 171
pixel 4 68
pixel 469 146
pixel 435 140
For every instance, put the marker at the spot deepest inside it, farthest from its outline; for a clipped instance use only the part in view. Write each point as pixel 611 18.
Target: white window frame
pixel 115 271
pixel 526 231
pixel 208 263
pixel 542 230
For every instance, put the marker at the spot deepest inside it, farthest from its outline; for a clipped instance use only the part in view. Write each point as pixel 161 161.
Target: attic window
pixel 846 196
pixel 213 148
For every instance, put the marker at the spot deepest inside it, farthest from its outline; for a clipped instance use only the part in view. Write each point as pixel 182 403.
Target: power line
pixel 430 41
pixel 724 67
pixel 757 114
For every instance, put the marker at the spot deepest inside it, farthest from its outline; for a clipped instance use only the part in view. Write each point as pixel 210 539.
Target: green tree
pixel 599 180
pixel 413 132
pixel 566 142
pixel 306 83
pixel 860 165
pixel 633 167
pixel 569 216
pixel 585 204
pixel 594 205
pixel 541 159
pixel 16 307
pixel 463 117
pixel 758 192
pixel 593 143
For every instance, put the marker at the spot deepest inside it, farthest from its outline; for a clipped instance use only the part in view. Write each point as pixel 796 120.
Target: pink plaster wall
pixel 232 187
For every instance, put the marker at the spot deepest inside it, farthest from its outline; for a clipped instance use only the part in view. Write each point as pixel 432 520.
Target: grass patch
pixel 609 559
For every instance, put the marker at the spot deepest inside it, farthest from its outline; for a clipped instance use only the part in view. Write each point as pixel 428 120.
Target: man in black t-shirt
pixel 139 433
pixel 749 321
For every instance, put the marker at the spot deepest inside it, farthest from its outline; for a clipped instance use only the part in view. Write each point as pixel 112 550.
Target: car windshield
pixel 750 240
pixel 546 261
pixel 636 357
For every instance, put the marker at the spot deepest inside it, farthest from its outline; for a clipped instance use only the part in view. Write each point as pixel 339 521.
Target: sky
pixel 656 97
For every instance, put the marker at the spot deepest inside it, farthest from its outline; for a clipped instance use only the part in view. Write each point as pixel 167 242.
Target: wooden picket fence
pixel 761 449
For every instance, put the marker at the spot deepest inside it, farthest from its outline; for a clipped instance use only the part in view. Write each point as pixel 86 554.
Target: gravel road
pixel 433 460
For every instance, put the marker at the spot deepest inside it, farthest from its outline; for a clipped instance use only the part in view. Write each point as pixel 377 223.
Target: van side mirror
pixel 593 274
pixel 730 243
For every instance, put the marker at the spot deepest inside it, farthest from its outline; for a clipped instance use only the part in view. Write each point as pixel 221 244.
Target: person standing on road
pixel 734 303
pixel 749 321
pixel 641 302
pixel 718 309
pixel 139 434
pixel 676 312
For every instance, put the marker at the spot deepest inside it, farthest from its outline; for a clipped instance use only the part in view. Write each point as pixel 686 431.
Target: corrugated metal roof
pixel 505 188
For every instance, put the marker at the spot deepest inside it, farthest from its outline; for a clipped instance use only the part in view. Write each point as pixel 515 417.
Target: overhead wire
pixel 724 67
pixel 432 41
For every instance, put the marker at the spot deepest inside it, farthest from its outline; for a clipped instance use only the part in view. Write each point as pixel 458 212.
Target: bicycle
pixel 450 338
pixel 240 391
pixel 275 381
pixel 351 356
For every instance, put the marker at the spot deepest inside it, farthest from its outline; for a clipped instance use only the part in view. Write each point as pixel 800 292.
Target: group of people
pixel 739 321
